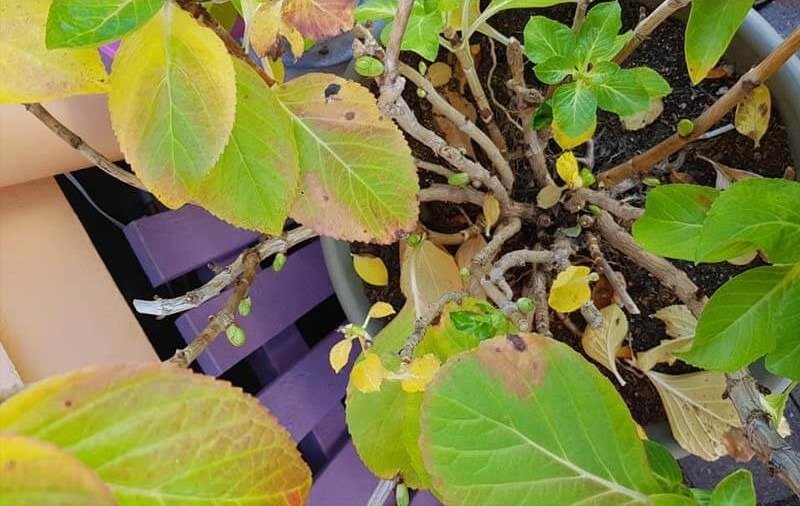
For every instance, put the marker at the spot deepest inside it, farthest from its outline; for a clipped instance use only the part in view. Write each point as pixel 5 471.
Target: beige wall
pixel 59 307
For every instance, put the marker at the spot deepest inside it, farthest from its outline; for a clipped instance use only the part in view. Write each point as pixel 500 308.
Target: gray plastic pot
pixel 754 41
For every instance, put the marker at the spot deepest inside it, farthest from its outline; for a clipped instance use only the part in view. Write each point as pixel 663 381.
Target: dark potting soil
pixel 613 144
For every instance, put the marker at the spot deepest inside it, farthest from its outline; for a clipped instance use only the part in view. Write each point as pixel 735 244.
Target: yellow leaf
pixel 319 19
pixel 381 310
pixel 680 322
pixel 664 352
pixel 567 168
pixel 275 69
pixel 567 142
pixel 420 372
pixel 602 343
pixel 549 196
pixel 491 211
pixel 33 73
pixel 268 25
pixel 340 354
pixel 172 102
pixel 371 269
pixel 368 374
pixel 752 114
pixel 570 290
pixel 427 273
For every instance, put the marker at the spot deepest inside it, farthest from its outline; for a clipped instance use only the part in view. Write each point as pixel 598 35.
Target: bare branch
pixel 603 201
pixel 194 298
pixel 424 321
pixel 614 278
pixel 91 154
pixel 396 38
pixel 580 14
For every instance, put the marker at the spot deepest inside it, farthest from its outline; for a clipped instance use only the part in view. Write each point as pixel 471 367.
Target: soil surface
pixel 613 144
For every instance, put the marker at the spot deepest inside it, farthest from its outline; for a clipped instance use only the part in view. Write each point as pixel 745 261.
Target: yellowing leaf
pixel 319 19
pixel 680 322
pixel 268 25
pixel 570 290
pixel 427 273
pixel 491 211
pixel 172 102
pixel 371 269
pixel 664 352
pixel 37 472
pixel 31 72
pixel 602 343
pixel 469 249
pixel 642 119
pixel 420 372
pixel 567 168
pixel 549 196
pixel 698 411
pixel 368 374
pixel 381 310
pixel 744 258
pixel 752 114
pixel 569 142
pixel 340 354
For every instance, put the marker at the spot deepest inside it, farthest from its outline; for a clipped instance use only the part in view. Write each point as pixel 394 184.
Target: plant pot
pixel 754 40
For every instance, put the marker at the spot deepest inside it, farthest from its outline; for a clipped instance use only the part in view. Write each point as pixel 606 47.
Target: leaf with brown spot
pixel 540 404
pixel 698 412
pixel 603 343
pixel 752 114
pixel 738 446
pixel 319 19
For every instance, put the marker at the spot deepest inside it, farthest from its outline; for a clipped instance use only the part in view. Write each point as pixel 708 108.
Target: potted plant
pixel 527 299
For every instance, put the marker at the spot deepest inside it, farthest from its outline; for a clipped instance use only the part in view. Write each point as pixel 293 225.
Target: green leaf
pixel 256 179
pixel 758 213
pixel 162 435
pixel 501 5
pixel 422 33
pixel 529 421
pixel 755 313
pixel 736 489
pixel 73 23
pixel 543 116
pixel 619 90
pixel 664 465
pixel 710 29
pixel 358 178
pixel 574 109
pixel 554 69
pixel 597 37
pixel 172 103
pixel 673 219
pixel 652 81
pixel 545 38
pixel 31 72
pixel 36 472
pixel 775 404
pixel 375 10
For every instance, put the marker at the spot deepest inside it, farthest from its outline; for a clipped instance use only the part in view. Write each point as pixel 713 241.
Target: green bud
pixel 587 177
pixel 279 262
pixel 685 127
pixel 235 335
pixel 525 304
pixel 414 240
pixel 401 495
pixel 421 93
pixel 464 273
pixel 368 66
pixel 245 305
pixel 458 179
pixel 651 181
pixel 423 67
pixel 353 331
pixel 595 210
pixel 593 277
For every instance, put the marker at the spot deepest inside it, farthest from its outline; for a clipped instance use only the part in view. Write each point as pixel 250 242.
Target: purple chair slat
pixel 302 397
pixel 344 482
pixel 424 498
pixel 279 299
pixel 170 244
pixel 277 355
pixel 330 431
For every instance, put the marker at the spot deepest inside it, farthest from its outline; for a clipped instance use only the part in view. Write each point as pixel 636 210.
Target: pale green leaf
pixel 545 38
pixel 554 69
pixel 574 109
pixel 710 29
pixel 673 219
pixel 775 404
pixel 755 313
pixel 375 10
pixel 31 72
pixel 37 472
pixel 597 37
pixel 358 178
pixel 652 81
pixel 162 435
pixel 172 103
pixel 498 427
pixel 736 489
pixel 619 90
pixel 74 23
pixel 757 213
pixel 256 179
